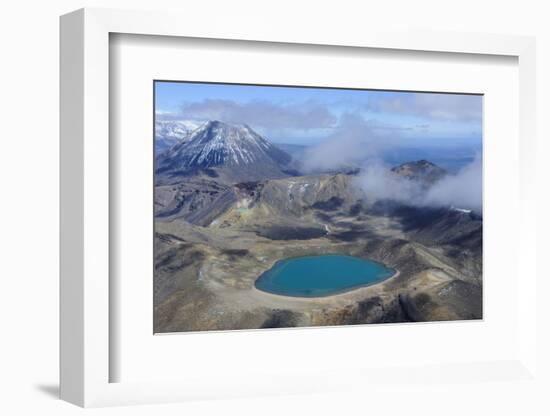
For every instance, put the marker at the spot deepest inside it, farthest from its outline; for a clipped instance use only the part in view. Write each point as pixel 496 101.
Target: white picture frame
pixel 85 210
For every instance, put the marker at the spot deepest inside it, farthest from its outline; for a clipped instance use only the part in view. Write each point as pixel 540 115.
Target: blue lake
pixel 325 275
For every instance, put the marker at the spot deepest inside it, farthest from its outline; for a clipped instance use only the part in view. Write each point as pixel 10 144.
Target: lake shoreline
pixel 333 294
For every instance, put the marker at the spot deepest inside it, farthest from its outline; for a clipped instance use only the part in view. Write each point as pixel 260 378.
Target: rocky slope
pixel 423 171
pixel 226 209
pixel 210 267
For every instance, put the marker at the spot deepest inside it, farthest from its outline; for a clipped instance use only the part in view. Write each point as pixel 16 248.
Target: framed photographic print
pixel 287 206
pixel 272 212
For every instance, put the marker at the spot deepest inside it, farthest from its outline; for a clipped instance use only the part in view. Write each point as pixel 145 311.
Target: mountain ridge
pixel 171 132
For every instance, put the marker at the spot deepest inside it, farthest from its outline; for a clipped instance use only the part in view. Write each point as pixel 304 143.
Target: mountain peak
pixel 422 170
pixel 215 123
pixel 227 129
pixel 217 144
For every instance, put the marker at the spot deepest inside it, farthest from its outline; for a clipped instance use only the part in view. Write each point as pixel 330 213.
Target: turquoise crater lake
pixel 318 276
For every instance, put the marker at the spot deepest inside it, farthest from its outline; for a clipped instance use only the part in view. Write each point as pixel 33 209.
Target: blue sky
pixel 311 115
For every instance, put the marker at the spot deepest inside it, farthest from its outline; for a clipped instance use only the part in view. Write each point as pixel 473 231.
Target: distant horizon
pixel 307 142
pixel 308 116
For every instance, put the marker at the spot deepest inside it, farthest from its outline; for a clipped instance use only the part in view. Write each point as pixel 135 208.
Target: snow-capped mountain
pixel 170 132
pixel 235 152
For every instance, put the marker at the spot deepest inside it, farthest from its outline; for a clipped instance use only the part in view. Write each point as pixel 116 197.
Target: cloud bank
pixel 378 182
pixel 444 107
pixel 462 190
pixel 262 114
pixel 359 143
pixel 353 141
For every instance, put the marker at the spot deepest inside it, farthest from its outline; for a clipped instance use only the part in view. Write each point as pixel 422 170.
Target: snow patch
pixel 465 211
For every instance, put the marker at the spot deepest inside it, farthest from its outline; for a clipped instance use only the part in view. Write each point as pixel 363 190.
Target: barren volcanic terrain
pixel 216 233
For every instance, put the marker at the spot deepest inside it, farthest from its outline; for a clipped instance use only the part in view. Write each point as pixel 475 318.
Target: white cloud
pixel 262 114
pixel 447 107
pixel 461 190
pixel 354 140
